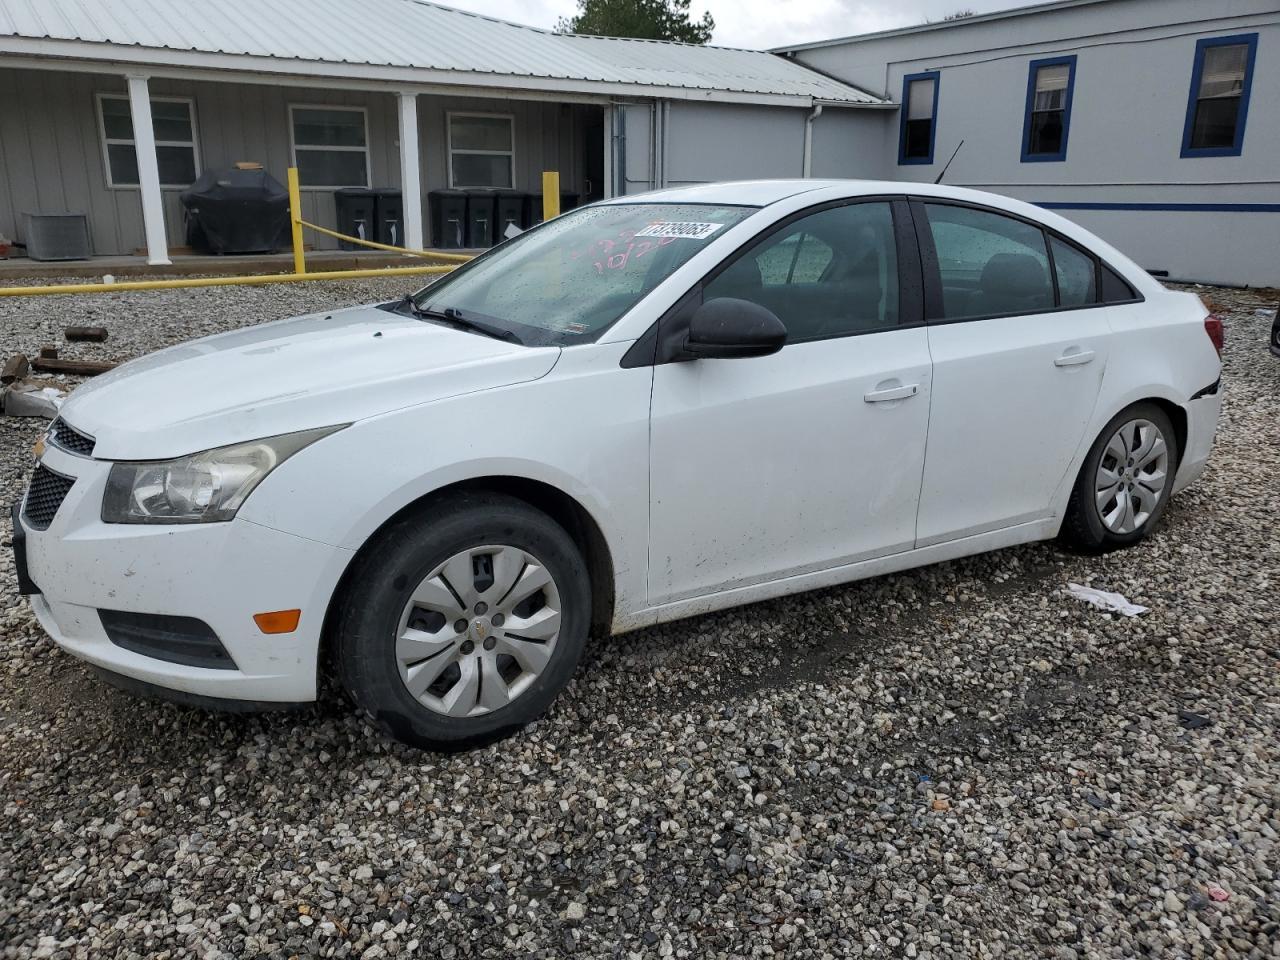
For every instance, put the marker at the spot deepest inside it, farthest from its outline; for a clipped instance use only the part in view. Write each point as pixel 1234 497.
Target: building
pixel 1154 123
pixel 112 108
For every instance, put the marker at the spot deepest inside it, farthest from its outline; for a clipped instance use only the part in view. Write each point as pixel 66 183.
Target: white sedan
pixel 646 409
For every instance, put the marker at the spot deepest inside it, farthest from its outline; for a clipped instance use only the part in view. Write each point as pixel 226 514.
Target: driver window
pixel 830 274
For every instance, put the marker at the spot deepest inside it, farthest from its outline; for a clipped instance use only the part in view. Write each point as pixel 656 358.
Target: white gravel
pixel 954 762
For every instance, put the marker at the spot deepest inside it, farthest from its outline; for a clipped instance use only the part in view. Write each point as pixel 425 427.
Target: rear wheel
pixel 1125 481
pixel 462 624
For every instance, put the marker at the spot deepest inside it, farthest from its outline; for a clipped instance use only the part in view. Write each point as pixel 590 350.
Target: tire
pixel 398 620
pixel 1096 521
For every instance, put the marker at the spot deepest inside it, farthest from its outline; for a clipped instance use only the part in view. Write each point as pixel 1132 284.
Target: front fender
pixel 583 430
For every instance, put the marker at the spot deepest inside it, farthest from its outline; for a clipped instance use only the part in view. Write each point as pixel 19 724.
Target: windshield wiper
pixel 454 316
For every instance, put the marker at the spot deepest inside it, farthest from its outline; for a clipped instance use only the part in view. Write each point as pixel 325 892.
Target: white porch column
pixel 410 174
pixel 144 140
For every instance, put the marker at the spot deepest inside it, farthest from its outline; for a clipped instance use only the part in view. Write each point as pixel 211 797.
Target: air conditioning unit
pixel 56 236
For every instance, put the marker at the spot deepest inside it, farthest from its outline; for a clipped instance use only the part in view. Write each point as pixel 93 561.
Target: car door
pixel 809 458
pixel 1018 353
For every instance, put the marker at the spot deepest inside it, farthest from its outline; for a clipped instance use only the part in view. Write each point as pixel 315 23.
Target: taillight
pixel 1213 327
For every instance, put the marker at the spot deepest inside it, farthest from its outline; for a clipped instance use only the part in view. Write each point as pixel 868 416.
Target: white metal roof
pixel 400 40
pixel 1048 6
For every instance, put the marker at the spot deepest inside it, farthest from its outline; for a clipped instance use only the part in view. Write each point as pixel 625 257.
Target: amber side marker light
pixel 278 621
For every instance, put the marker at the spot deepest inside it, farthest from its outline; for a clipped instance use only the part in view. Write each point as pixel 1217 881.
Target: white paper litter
pixel 1115 602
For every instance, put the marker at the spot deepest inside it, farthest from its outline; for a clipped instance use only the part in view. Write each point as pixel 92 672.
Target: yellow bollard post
pixel 295 218
pixel 550 194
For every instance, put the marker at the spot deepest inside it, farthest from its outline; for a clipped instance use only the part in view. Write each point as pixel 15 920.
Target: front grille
pixel 70 439
pixel 45 496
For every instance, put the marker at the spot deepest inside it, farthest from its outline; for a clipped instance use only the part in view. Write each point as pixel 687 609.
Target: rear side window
pixel 1076 272
pixel 1115 288
pixel 829 274
pixel 990 264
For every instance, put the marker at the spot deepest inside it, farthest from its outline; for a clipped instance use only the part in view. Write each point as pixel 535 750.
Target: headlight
pixel 201 488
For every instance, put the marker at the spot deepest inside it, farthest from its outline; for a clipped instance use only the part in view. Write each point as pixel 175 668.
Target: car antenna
pixel 953 156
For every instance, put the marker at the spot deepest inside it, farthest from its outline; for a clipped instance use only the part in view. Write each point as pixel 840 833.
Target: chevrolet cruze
pixel 649 408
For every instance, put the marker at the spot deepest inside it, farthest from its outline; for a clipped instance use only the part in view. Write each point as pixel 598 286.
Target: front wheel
pixel 1125 481
pixel 461 624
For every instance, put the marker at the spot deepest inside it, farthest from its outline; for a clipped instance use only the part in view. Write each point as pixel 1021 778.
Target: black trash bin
pixel 389 216
pixel 511 208
pixel 481 212
pixel 448 219
pixel 534 209
pixel 356 208
pixel 237 210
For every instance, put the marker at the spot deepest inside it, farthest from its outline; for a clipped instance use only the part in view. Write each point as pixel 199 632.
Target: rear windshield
pixel 572 278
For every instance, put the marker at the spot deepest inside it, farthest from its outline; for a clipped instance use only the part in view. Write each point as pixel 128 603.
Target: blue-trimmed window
pixel 919 123
pixel 1047 121
pixel 1218 103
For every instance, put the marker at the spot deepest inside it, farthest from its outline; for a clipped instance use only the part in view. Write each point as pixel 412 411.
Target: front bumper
pixel 220 573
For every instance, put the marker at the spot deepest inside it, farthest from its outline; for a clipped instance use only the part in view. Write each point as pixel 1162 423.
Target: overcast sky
pixel 766 23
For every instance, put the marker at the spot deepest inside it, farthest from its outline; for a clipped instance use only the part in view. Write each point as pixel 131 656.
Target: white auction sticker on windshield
pixel 680 229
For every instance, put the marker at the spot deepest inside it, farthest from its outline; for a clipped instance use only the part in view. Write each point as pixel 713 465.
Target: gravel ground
pixel 957 762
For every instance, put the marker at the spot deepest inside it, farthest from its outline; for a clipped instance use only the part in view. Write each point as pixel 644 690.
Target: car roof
pixel 752 193
pixel 761 193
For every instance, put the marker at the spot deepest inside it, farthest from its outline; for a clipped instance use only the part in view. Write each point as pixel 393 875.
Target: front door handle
pixel 1073 356
pixel 892 393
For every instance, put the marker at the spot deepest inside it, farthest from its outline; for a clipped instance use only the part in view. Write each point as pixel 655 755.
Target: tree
pixel 643 19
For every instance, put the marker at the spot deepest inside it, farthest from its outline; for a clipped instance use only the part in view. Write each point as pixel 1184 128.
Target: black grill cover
pixel 237 211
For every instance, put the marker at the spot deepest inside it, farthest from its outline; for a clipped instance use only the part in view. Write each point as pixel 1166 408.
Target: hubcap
pixel 478 631
pixel 1132 475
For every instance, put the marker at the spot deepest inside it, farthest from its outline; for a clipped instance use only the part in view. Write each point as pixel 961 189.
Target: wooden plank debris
pixel 86 334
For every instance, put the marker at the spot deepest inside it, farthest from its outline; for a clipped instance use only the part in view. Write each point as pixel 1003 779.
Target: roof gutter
pixel 808 140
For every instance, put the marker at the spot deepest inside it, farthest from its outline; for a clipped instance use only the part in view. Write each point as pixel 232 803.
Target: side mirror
pixel 727 327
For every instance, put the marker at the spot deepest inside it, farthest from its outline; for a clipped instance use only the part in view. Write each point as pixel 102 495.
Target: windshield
pixel 570 279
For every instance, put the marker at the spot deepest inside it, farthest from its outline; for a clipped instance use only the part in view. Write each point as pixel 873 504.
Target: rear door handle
pixel 1073 356
pixel 892 393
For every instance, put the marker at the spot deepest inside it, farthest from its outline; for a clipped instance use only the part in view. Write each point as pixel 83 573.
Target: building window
pixel 330 146
pixel 173 125
pixel 1048 115
pixel 919 117
pixel 481 150
pixel 1219 100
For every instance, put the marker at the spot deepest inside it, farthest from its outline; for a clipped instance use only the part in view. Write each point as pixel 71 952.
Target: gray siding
pixel 704 143
pixel 51 155
pixel 1135 59
pixel 709 142
pixel 850 143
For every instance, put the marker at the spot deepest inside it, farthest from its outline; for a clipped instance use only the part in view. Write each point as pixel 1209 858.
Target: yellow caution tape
pixel 451 257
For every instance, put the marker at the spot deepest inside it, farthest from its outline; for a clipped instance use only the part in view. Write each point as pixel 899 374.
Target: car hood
pixel 297 374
